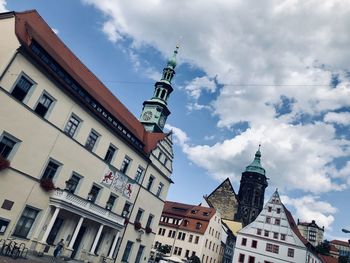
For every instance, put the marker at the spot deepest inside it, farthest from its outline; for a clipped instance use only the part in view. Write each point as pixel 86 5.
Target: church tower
pixel 251 191
pixel 155 111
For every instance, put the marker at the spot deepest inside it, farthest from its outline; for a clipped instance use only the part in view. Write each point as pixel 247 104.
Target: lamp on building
pixel 109 206
pixel 69 184
pixel 90 196
pixel 125 213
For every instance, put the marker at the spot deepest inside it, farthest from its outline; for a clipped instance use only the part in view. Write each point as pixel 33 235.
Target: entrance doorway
pixel 78 241
pixel 54 231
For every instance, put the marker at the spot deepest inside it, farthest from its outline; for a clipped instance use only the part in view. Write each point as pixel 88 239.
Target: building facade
pixel 190 230
pixel 342 246
pixel 273 237
pixel 81 167
pixel 311 232
pixel 251 191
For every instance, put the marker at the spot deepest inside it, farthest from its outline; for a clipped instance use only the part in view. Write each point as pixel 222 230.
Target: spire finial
pixel 172 60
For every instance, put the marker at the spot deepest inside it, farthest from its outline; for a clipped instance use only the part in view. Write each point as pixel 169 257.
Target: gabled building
pixel 190 230
pixel 75 164
pixel 342 246
pixel 311 232
pixel 273 237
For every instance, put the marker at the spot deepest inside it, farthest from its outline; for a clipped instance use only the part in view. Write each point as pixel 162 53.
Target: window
pixel 149 220
pixel 110 154
pixel 291 252
pixel 159 190
pixel 170 233
pixel 138 215
pixel 43 105
pixel 275 235
pixel 92 196
pixel 312 235
pixel 72 126
pixel 196 240
pixel 183 236
pixel 127 251
pixel 125 165
pixel 206 242
pixel 150 182
pixel 21 88
pixel 179 251
pixel 126 209
pixel 139 254
pixel 241 258
pixel 272 248
pixel 283 236
pixel 277 221
pixel 278 210
pixel 187 253
pixel 198 225
pixel 275 249
pixel 111 201
pixel 6 146
pixel 50 170
pixel 254 243
pixel 244 242
pixel 266 233
pixel 91 140
pixel 139 174
pixel 175 250
pixel 251 259
pixel 268 220
pixel 25 222
pixel 269 208
pixel 190 238
pixel 160 231
pixel 179 235
pixel 73 183
pixel 258 231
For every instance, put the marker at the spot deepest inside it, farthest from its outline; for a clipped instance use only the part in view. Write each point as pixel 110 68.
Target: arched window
pixel 162 96
pixel 157 93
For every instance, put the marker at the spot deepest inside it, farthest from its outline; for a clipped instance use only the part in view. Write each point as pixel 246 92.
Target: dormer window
pixel 205 213
pixel 198 225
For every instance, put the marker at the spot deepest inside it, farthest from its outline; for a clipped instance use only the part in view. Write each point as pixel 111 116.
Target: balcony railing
pixel 65 197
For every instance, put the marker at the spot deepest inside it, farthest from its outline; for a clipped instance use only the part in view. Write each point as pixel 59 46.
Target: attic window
pixel 193 211
pixel 198 225
pixel 205 213
pixel 186 222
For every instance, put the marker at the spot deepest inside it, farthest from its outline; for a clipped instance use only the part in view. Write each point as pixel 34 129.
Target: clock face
pixel 162 121
pixel 147 115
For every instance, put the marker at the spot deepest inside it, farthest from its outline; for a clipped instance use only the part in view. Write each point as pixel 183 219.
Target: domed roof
pixel 172 61
pixel 255 166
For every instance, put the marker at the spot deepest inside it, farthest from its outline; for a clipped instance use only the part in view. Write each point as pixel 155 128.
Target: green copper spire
pixel 172 60
pixel 255 166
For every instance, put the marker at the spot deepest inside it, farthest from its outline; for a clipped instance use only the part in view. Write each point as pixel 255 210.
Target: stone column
pixel 50 225
pixel 92 251
pixel 110 255
pixel 75 234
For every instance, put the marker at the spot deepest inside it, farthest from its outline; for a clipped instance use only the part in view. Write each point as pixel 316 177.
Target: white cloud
pixel 260 52
pixel 196 86
pixel 3 6
pixel 310 208
pixel 342 118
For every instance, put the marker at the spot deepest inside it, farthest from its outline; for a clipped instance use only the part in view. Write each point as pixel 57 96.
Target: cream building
pixel 273 237
pixel 190 230
pixel 82 167
pixel 311 232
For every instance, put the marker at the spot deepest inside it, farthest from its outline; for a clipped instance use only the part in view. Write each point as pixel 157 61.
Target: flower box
pixel 148 230
pixel 47 185
pixel 137 225
pixel 4 163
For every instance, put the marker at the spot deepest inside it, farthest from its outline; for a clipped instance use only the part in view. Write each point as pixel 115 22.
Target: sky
pixel 274 72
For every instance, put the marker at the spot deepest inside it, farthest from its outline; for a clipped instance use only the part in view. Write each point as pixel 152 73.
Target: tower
pixel 251 191
pixel 155 111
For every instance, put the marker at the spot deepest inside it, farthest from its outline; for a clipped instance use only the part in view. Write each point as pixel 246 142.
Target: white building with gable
pixel 273 237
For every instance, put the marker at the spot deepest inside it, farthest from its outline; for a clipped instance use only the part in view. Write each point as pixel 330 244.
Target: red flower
pixel 4 163
pixel 148 230
pixel 126 221
pixel 137 225
pixel 47 185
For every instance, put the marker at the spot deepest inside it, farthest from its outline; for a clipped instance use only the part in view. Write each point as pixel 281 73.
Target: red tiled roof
pixel 30 24
pixel 340 243
pixel 328 259
pixel 294 226
pixel 184 211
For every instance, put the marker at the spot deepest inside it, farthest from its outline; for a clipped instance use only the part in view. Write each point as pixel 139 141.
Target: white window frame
pixel 49 110
pixel 15 147
pixel 31 90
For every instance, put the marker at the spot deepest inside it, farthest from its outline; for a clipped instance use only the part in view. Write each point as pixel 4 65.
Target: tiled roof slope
pixel 30 24
pixel 294 226
pixel 176 210
pixel 340 243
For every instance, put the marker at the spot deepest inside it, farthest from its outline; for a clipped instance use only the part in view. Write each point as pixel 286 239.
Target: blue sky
pixel 274 73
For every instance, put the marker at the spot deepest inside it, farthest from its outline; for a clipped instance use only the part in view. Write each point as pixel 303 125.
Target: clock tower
pixel 155 111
